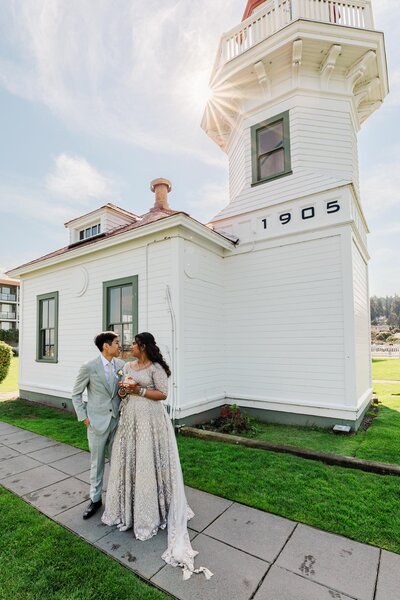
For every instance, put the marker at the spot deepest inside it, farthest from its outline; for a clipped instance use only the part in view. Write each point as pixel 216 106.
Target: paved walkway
pixel 8 395
pixel 253 554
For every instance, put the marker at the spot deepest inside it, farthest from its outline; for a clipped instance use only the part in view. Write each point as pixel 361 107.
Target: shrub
pixel 383 335
pixel 232 420
pixel 5 360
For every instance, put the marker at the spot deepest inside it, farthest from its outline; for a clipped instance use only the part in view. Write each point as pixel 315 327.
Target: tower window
pixel 270 149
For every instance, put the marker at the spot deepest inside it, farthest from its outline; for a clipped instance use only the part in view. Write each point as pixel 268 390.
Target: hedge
pixel 5 360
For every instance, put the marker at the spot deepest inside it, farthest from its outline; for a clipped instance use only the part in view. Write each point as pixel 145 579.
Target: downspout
pixel 173 400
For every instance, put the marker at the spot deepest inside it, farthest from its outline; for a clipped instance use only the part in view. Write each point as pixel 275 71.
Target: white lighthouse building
pixel 267 306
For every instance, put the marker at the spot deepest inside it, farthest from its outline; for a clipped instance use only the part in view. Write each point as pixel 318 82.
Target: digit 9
pixel 285 218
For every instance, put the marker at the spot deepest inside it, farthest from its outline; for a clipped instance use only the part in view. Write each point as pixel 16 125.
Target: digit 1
pixel 264 222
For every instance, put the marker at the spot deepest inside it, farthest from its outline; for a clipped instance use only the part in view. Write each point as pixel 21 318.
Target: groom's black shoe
pixel 91 509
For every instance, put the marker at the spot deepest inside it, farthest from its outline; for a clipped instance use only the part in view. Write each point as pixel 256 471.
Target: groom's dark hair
pixel 105 337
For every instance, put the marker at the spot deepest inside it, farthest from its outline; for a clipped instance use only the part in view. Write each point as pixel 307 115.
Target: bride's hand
pixel 132 388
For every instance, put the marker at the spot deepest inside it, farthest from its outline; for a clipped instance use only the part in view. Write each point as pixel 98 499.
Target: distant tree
pixel 385 310
pixel 11 336
pixel 374 309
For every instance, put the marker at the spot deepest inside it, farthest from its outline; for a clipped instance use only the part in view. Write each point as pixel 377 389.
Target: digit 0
pixel 308 213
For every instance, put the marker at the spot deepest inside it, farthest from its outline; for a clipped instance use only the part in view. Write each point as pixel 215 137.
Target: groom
pixel 100 412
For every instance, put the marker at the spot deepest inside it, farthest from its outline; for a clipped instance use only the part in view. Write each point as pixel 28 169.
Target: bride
pixel 145 489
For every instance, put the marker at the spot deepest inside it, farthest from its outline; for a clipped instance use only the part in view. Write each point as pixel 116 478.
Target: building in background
pixel 266 306
pixel 9 302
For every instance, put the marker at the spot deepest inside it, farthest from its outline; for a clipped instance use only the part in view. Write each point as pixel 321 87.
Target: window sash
pixel 88 232
pixel 47 328
pixel 120 310
pixel 258 156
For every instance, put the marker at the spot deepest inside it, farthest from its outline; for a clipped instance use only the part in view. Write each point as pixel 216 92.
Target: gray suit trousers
pixel 98 443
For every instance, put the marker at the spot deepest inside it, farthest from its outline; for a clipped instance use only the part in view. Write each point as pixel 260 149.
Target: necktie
pixel 108 367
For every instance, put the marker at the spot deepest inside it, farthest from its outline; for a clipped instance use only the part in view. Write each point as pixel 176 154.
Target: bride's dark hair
pixel 146 342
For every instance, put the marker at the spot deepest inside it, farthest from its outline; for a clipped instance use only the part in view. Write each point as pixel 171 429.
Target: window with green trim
pixel 120 310
pixel 270 149
pixel 47 327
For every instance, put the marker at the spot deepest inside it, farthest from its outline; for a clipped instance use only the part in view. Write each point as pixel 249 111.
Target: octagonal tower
pixel 291 86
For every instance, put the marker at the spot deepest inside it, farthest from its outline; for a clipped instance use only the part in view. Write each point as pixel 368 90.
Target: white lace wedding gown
pixel 145 488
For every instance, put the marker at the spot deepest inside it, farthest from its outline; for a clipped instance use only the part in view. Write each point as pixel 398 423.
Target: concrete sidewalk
pixel 8 395
pixel 252 554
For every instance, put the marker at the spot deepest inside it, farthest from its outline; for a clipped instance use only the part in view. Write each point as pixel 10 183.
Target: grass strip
pixel 329 459
pixel 380 443
pixel 41 560
pixel 51 422
pixel 386 368
pixel 361 506
pixel 358 505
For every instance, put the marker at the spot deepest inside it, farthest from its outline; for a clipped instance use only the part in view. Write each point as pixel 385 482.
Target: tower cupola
pixel 317 46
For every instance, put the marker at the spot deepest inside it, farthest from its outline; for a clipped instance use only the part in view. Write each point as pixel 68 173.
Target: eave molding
pixel 161 226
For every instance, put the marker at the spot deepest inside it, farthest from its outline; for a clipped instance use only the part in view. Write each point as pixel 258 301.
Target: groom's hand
pixel 86 422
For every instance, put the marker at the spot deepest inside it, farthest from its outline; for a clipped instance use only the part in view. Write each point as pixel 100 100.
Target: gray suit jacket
pixel 102 398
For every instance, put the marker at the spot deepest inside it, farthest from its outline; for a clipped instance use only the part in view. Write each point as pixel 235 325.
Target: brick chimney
pixel 160 187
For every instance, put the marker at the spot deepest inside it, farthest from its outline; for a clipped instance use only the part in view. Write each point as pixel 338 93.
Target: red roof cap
pixel 251 5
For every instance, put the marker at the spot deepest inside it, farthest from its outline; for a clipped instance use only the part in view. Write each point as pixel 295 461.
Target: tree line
pixel 385 311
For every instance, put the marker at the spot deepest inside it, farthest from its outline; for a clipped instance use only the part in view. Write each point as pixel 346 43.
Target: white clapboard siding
pixel 111 220
pixel 81 316
pixel 361 322
pixel 203 325
pixel 323 155
pixel 237 167
pixel 285 339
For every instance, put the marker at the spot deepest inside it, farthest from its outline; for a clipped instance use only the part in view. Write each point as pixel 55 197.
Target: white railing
pixel 276 14
pixel 382 350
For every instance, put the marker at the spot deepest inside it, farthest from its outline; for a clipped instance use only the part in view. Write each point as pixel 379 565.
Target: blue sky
pixel 99 97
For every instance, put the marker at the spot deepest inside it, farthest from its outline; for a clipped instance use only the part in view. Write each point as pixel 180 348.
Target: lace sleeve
pixel 160 379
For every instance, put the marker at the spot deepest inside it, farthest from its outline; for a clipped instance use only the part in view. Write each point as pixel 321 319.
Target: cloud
pixel 75 179
pixel 384 268
pixel 380 189
pixel 74 186
pixel 209 200
pixel 393 99
pixel 385 8
pixel 133 71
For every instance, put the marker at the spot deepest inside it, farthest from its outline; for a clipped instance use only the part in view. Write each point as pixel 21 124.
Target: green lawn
pixel 57 424
pixel 362 506
pixel 359 505
pixel 386 368
pixel 10 384
pixel 381 442
pixel 41 560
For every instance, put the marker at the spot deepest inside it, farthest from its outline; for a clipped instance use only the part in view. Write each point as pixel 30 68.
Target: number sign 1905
pixel 306 213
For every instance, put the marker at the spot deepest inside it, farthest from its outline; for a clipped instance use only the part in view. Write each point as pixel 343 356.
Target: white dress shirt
pixel 109 367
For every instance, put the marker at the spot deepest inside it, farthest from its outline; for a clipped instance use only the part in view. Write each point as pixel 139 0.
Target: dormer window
pixel 98 223
pixel 89 232
pixel 270 148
